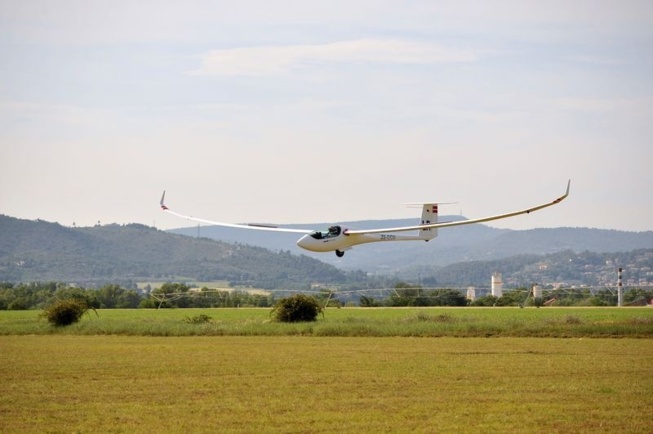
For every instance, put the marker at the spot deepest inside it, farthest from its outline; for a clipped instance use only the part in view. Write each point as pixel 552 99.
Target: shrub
pixel 571 319
pixel 65 312
pixel 424 317
pixel 296 308
pixel 199 319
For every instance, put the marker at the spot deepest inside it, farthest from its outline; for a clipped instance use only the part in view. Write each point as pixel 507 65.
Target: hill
pixel 92 256
pixel 565 268
pixel 459 244
pixel 39 250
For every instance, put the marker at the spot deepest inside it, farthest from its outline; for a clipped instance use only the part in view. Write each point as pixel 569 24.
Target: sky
pixel 326 111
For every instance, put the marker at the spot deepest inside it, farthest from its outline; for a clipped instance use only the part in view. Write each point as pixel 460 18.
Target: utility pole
pixel 620 291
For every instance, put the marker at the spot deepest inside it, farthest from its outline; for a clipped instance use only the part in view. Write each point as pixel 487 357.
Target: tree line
pixel 411 295
pixel 39 295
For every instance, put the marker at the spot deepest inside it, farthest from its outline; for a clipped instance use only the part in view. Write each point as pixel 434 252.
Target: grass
pixel 349 322
pixel 353 370
pixel 72 383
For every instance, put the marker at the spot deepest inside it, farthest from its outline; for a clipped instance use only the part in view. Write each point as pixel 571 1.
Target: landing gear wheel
pixel 340 253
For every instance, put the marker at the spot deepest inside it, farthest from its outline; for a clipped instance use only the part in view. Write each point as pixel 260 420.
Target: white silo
pixel 471 293
pixel 537 291
pixel 497 285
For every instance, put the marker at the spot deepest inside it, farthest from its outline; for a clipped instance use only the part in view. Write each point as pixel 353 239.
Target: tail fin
pixel 429 215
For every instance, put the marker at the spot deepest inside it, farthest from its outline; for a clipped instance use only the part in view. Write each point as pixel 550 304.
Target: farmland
pixel 351 322
pixel 355 370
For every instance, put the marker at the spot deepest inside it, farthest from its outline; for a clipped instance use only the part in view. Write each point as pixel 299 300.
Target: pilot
pixel 334 231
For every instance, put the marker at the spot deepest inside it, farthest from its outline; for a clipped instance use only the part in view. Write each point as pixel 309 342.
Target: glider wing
pixel 260 227
pixel 464 222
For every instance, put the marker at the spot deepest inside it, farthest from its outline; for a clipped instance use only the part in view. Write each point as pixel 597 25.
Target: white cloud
pixel 275 60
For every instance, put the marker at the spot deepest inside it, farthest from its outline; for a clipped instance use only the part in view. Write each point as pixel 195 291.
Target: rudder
pixel 429 216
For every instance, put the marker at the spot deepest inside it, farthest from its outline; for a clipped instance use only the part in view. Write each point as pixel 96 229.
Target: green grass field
pixel 355 370
pixel 425 322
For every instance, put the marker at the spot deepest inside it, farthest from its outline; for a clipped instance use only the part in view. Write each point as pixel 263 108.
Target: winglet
pixel 163 196
pixel 563 197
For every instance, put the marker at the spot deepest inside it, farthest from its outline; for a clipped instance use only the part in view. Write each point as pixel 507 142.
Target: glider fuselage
pixel 337 239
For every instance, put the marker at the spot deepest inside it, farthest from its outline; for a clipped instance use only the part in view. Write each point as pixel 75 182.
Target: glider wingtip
pixel 163 196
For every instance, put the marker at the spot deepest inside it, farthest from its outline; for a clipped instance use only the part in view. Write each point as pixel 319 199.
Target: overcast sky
pixel 317 111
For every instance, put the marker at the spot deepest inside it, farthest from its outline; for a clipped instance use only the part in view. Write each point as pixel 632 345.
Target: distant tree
pixel 368 302
pixel 513 298
pixel 411 295
pixel 205 298
pixel 637 294
pixel 148 303
pixel 447 297
pixel 488 300
pixel 171 295
pixel 407 295
pixel 114 296
pixel 73 293
pixel 605 298
pixel 326 298
pixel 108 296
pixel 129 299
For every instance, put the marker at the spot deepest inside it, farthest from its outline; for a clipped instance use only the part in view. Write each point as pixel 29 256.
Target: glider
pixel 337 239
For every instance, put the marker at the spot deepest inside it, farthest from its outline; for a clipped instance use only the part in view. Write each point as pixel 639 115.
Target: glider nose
pixel 307 242
pixel 304 242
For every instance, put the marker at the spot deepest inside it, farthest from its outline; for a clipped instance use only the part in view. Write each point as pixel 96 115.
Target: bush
pixel 199 319
pixel 296 308
pixel 65 312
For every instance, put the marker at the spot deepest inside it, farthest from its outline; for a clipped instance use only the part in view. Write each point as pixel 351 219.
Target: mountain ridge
pixel 39 250
pixel 43 251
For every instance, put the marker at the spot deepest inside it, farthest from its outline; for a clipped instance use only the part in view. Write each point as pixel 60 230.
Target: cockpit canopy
pixel 332 232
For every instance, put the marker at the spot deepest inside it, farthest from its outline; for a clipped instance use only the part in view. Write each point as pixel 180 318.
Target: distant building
pixel 537 291
pixel 497 285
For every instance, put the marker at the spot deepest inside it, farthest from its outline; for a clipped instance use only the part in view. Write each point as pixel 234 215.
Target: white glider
pixel 338 240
